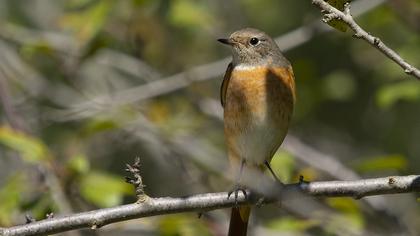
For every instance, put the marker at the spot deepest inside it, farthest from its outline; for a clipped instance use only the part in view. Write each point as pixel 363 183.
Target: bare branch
pixel 210 201
pixel 332 13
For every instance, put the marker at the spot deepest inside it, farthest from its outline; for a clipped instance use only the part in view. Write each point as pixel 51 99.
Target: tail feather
pixel 239 221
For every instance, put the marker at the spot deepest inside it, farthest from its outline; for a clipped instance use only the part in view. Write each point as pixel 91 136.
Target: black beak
pixel 225 41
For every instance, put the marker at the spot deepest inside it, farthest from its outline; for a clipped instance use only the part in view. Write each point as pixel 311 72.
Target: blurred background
pixel 88 85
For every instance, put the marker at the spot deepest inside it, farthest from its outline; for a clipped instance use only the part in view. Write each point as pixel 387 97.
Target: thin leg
pixel 272 172
pixel 241 169
pixel 238 187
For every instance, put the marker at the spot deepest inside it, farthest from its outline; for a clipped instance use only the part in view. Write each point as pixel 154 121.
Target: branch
pixel 332 13
pixel 210 201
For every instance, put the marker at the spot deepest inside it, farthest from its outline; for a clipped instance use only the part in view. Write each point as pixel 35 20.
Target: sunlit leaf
pixel 29 50
pixel 79 164
pixel 87 22
pixel 391 162
pixel 308 174
pixel 99 125
pixel 182 224
pixel 349 217
pixel 347 205
pixel 159 112
pixel 103 189
pixel 389 94
pixel 188 13
pixel 283 165
pixel 10 195
pixel 31 148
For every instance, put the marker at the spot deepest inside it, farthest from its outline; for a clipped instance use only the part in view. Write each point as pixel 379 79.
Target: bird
pixel 258 96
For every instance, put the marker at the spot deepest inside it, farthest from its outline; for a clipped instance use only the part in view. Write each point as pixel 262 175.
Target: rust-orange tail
pixel 239 221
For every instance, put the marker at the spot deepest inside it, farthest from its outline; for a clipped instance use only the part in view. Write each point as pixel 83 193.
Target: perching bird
pixel 258 95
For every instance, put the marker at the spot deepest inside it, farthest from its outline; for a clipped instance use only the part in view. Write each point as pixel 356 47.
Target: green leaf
pixel 283 165
pixel 103 189
pixel 291 224
pixel 346 205
pixel 99 125
pixel 391 162
pixel 182 224
pixel 10 195
pixel 389 94
pixel 339 4
pixel 189 14
pixel 87 22
pixel 79 164
pixel 349 218
pixel 30 148
pixel 338 24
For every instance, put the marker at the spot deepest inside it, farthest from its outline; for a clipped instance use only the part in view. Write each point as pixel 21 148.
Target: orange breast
pixel 259 105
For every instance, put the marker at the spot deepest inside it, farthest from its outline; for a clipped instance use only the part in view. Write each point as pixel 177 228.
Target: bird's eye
pixel 254 41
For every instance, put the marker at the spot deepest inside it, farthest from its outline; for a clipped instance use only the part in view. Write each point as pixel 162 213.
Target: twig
pixel 29 219
pixel 332 13
pixel 136 180
pixel 210 201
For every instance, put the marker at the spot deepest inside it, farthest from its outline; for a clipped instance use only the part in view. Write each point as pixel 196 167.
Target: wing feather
pixel 225 84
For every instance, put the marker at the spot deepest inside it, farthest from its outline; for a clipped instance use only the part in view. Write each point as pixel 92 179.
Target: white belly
pixel 260 140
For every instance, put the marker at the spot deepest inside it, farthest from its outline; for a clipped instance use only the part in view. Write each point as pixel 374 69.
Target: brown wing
pixel 225 83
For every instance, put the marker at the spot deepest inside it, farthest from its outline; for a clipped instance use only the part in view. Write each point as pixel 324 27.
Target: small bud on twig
pixel 136 180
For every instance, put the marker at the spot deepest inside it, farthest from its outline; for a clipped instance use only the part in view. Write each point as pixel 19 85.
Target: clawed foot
pixel 260 201
pixel 236 190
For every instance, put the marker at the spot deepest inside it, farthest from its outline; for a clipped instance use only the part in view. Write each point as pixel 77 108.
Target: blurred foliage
pixel 382 163
pixel 31 149
pixel 390 94
pixel 182 224
pixel 292 225
pixel 10 198
pixel 283 164
pixel 69 74
pixel 103 189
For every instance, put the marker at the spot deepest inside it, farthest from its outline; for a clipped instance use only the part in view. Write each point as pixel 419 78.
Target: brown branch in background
pixel 210 201
pixel 331 13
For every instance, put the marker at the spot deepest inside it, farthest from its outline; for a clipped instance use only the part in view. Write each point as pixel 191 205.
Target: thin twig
pixel 210 201
pixel 136 179
pixel 332 13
